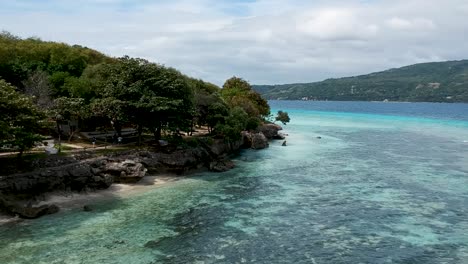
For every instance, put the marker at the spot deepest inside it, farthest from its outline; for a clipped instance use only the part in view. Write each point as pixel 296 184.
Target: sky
pixel 262 41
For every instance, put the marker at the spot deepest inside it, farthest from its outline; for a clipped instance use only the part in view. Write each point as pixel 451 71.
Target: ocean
pixel 358 182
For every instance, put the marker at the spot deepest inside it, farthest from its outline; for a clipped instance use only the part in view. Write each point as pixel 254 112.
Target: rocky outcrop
pixel 100 173
pixel 271 131
pixel 91 173
pixel 97 173
pixel 259 141
pixel 26 211
pixel 127 171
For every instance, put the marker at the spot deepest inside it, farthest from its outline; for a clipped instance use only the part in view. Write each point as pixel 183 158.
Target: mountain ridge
pixel 445 81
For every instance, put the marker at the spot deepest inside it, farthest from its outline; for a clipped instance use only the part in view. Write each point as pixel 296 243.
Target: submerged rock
pixel 28 211
pixel 154 243
pixel 35 212
pixel 221 165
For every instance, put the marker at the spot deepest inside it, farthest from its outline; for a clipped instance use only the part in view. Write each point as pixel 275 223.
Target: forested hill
pixel 425 82
pixel 46 85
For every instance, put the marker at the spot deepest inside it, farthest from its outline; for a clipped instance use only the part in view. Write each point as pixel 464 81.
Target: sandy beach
pixel 67 200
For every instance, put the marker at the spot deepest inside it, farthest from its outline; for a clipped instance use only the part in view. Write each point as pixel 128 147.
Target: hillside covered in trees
pixel 46 84
pixel 425 82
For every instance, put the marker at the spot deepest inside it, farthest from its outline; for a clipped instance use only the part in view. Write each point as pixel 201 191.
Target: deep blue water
pixel 386 183
pixel 444 111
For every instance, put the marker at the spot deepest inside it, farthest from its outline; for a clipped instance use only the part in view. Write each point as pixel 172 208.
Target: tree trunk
pixel 72 133
pixel 189 133
pixel 59 131
pixel 140 131
pixel 157 133
pixel 117 127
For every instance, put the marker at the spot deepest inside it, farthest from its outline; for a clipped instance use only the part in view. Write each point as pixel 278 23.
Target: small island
pixel 76 120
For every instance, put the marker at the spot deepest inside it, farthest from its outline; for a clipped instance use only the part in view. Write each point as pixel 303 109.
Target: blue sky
pixel 263 41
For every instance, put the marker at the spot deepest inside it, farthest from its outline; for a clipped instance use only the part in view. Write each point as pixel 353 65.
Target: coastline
pixel 73 200
pixel 72 181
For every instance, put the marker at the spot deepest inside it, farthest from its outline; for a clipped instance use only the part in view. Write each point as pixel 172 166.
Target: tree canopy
pixel 239 93
pixel 20 119
pixel 95 91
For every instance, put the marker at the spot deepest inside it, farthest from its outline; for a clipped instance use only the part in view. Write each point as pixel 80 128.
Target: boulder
pixel 259 141
pixel 103 181
pixel 270 130
pixel 221 165
pixel 127 171
pixel 35 212
pixel 279 136
pixel 28 211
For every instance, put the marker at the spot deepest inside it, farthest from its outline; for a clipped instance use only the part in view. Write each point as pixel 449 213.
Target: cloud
pixel 335 24
pixel 264 41
pixel 410 24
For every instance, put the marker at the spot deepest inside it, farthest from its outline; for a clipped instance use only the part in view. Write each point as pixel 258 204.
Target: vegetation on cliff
pixel 428 82
pixel 54 83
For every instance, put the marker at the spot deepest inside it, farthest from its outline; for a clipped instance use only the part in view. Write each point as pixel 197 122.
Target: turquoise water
pixel 386 183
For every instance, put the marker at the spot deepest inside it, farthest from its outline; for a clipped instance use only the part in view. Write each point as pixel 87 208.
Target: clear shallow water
pixel 387 183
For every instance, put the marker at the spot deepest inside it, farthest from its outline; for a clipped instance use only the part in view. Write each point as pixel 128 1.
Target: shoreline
pixel 73 200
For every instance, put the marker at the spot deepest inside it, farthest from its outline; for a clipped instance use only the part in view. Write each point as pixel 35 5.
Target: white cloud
pixel 264 41
pixel 410 24
pixel 335 24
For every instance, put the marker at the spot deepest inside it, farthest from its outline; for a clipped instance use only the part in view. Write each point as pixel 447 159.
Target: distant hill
pixel 424 82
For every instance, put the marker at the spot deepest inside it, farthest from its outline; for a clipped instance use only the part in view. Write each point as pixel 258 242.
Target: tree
pixel 152 95
pixel 238 93
pixel 216 114
pixel 72 109
pixel 20 119
pixel 283 117
pixel 233 125
pixel 37 85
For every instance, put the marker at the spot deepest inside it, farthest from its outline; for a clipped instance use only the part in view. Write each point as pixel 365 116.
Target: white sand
pixel 67 200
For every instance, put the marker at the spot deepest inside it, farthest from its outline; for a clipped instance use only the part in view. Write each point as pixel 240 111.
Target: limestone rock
pixel 28 212
pixel 126 171
pixel 279 136
pixel 259 141
pixel 221 165
pixel 270 130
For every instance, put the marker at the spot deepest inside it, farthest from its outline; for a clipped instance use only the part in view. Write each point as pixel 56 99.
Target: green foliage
pixel 216 114
pixel 147 94
pixel 80 84
pixel 238 93
pixel 20 120
pixel 233 125
pixel 429 82
pixel 70 108
pixel 252 123
pixel 283 117
pixel 19 57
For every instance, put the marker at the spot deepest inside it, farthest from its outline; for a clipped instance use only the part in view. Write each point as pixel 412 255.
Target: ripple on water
pixel 372 190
